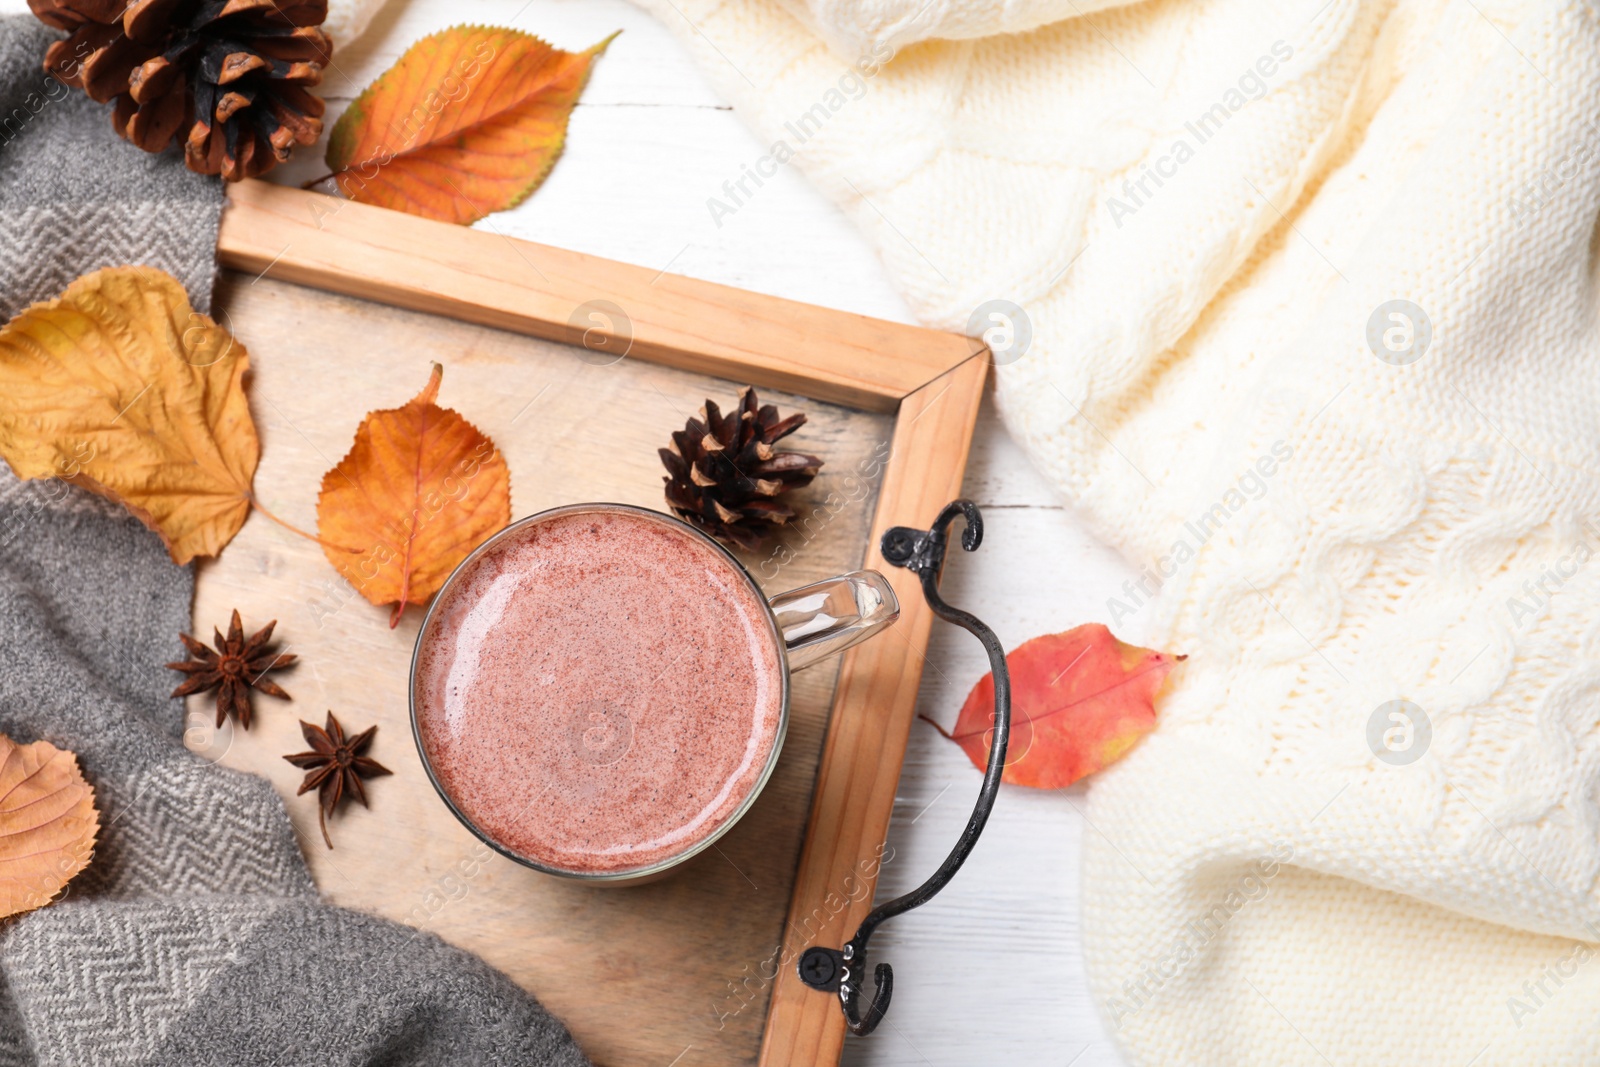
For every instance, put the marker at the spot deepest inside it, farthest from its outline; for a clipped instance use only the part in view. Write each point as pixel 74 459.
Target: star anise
pixel 335 766
pixel 233 668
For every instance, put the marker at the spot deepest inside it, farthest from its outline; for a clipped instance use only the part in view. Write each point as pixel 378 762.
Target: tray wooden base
pixel 697 968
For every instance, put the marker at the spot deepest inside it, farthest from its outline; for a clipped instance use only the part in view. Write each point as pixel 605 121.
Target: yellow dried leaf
pixel 469 121
pixel 48 823
pixel 419 489
pixel 120 386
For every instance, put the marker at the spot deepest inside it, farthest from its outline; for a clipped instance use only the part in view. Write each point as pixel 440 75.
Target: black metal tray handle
pixel 844 970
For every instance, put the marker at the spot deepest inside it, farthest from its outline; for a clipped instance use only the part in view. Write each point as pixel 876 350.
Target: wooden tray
pixel 697 969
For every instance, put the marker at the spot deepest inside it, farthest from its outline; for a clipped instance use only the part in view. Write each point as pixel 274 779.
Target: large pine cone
pixel 227 78
pixel 724 476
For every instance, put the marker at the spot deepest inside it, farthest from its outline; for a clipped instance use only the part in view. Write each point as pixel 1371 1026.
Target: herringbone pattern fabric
pixel 74 198
pixel 195 936
pixel 39 244
pixel 115 979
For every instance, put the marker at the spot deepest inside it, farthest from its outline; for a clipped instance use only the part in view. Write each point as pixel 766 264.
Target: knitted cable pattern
pixel 1312 301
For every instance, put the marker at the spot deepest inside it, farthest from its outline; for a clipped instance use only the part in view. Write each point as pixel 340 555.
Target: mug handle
pixel 827 617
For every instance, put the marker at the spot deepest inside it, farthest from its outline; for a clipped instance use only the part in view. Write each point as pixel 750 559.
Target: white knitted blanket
pixel 1312 295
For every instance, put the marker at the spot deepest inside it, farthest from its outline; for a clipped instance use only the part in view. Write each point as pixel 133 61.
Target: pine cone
pixel 226 78
pixel 724 476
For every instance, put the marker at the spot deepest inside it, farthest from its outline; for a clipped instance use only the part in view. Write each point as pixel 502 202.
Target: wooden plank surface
pixel 567 296
pixel 643 975
pixel 872 715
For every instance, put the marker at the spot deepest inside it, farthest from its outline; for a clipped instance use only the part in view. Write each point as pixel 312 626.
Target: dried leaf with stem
pixel 1080 701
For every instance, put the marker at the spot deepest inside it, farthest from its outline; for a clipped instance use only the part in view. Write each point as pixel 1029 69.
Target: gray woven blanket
pixel 195 936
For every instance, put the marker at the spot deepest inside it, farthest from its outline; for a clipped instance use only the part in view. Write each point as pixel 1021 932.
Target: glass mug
pixel 600 691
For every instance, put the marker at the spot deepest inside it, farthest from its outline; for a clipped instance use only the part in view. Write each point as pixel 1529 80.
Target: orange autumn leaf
pixel 48 823
pixel 468 122
pixel 419 489
pixel 119 386
pixel 1079 701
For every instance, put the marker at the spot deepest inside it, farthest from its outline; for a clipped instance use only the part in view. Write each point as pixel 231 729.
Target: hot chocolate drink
pixel 599 691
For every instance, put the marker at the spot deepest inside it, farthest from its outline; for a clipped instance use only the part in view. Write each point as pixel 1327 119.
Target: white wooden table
pixel 991 972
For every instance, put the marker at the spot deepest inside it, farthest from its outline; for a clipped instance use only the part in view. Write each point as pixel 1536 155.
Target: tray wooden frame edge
pixel 490 279
pixel 873 707
pixel 933 381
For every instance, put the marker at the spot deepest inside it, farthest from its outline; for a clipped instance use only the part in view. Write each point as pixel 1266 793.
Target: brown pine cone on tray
pixel 724 475
pixel 228 79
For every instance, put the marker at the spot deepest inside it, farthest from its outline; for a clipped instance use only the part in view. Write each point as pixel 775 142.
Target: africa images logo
pixel 1399 332
pixel 1399 732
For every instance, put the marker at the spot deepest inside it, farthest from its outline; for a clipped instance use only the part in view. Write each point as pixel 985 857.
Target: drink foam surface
pixel 599 691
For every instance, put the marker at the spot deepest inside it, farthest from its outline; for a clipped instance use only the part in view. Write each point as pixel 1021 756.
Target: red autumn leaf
pixel 1079 701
